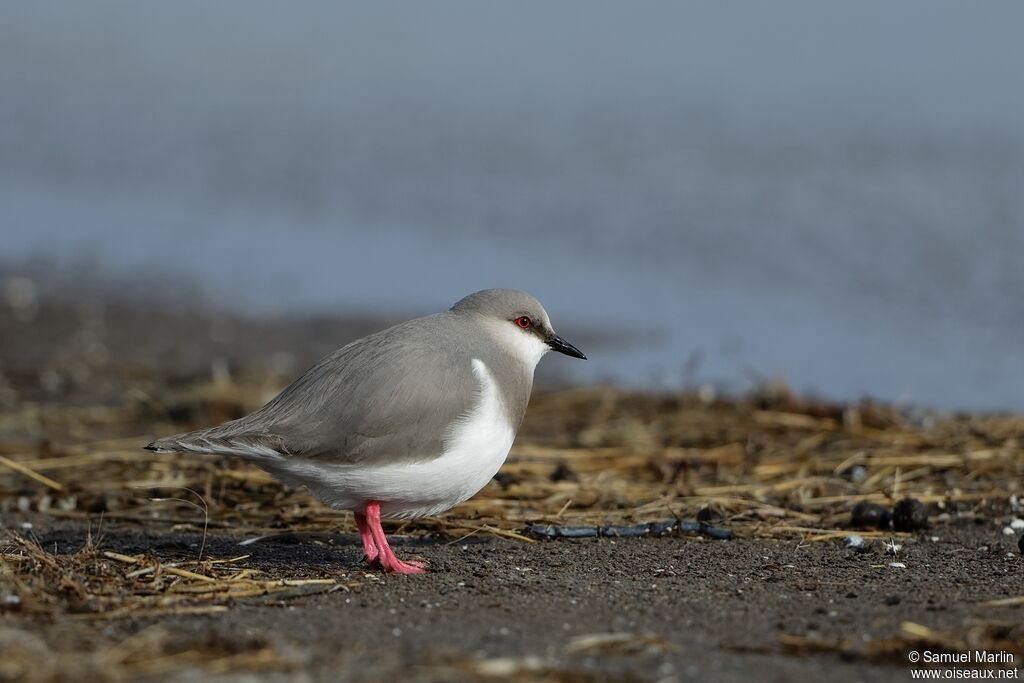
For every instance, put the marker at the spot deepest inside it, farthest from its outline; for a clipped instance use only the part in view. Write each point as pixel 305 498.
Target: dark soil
pixel 698 609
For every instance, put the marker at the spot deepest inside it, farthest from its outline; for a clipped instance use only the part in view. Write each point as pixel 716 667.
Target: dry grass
pixel 771 465
pixel 98 586
pixel 102 585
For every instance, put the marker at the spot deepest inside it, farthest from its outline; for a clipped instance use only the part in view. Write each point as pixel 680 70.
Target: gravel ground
pixel 645 609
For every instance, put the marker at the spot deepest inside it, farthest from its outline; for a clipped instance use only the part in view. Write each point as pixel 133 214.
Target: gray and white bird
pixel 404 423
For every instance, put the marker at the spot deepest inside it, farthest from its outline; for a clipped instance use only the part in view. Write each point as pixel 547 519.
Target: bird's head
pixel 518 320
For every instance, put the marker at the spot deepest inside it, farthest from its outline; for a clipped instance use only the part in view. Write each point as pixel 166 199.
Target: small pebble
pixel 1007 531
pixel 1020 544
pixel 909 514
pixel 857 474
pixel 897 565
pixel 1017 523
pixel 855 542
pixel 870 516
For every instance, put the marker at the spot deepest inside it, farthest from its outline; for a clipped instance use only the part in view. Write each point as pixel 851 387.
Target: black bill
pixel 558 344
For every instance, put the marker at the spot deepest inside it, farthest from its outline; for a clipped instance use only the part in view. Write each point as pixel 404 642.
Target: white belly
pixel 477 445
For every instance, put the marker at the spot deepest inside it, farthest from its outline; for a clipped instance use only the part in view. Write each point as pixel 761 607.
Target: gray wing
pixel 387 397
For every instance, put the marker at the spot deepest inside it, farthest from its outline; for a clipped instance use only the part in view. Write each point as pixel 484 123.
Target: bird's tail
pixel 208 442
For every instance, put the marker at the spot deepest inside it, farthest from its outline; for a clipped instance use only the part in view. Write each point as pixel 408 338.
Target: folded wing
pixel 389 397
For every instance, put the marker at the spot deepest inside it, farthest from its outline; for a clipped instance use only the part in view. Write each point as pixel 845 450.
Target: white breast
pixel 477 445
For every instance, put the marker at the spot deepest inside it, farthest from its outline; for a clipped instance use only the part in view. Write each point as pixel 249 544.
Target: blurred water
pixel 830 193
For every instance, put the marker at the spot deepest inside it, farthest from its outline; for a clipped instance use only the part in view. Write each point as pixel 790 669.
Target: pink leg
pixel 369 547
pixel 387 559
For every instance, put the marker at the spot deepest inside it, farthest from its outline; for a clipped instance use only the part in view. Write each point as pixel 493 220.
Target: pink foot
pixel 389 562
pixel 369 547
pixel 397 566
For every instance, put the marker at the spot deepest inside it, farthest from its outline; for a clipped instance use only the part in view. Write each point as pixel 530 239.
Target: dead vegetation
pixel 768 466
pixel 763 466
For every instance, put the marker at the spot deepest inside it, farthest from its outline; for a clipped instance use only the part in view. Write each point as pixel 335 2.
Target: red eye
pixel 524 322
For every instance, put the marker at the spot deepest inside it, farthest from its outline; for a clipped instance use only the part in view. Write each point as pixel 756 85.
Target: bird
pixel 404 423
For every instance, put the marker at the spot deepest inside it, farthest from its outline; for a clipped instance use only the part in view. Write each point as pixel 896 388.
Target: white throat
pixel 523 345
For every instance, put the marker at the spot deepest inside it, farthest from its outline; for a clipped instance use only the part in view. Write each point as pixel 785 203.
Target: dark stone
pixel 1020 544
pixel 624 531
pixel 505 480
pixel 909 514
pixel 870 516
pixel 563 473
pixel 706 515
pixel 660 528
